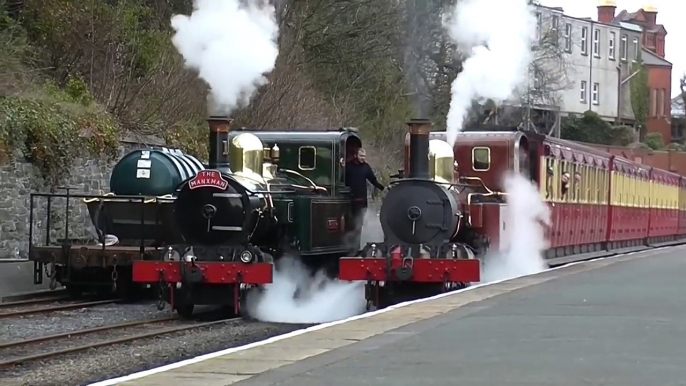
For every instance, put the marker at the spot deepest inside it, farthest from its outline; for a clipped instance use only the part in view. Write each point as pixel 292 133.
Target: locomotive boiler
pixel 428 243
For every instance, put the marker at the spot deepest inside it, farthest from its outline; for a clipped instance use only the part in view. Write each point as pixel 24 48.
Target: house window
pixel 653 102
pixel 556 30
pixel 539 36
pixel 611 45
pixel 661 103
pixel 635 49
pixel 583 92
pixel 568 37
pixel 596 43
pixel 596 92
pixel 584 41
pixel 651 41
pixel 623 48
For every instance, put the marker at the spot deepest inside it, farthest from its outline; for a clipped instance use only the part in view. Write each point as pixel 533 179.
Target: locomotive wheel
pixel 185 310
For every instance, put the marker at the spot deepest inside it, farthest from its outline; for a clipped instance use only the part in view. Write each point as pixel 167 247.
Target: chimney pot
pixel 606 11
pixel 419 148
pixel 220 126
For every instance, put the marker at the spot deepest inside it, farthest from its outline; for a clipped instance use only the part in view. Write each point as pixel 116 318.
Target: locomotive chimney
pixel 419 148
pixel 220 126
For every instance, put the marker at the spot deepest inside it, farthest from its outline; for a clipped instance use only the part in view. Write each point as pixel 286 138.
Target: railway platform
pixel 616 321
pixel 16 276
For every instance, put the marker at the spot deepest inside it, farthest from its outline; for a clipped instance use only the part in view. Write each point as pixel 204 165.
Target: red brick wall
pixel 660 78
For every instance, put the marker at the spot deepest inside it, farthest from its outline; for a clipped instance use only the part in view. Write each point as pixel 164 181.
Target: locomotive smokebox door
pixel 419 212
pixel 212 208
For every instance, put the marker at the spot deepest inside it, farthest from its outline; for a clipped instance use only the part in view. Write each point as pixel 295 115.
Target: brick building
pixel 653 56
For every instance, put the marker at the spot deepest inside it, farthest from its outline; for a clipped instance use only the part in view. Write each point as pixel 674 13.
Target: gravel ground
pixel 35 325
pixel 113 361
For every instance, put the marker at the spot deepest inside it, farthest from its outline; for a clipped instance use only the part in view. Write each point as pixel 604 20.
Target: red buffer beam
pixel 212 273
pixel 423 270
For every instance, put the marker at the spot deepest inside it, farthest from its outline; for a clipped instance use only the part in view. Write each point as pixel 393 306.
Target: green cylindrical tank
pixel 152 172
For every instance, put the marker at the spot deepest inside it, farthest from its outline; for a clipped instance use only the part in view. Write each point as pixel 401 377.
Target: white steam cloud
pixel 371 229
pixel 496 36
pixel 232 46
pixel 297 297
pixel 524 237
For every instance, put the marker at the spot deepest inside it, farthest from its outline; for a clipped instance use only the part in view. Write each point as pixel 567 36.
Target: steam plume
pixel 496 35
pixel 295 296
pixel 524 239
pixel 231 45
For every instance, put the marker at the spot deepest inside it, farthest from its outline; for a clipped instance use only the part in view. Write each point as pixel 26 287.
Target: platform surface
pixel 619 321
pixel 17 277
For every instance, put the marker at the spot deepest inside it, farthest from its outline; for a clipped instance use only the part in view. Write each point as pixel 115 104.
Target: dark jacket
pixel 356 177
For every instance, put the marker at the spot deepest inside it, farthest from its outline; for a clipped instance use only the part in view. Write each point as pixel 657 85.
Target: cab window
pixel 307 158
pixel 481 159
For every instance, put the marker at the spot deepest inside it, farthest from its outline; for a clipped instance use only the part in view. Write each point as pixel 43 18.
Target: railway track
pixel 34 297
pixel 40 310
pixel 10 348
pixel 29 302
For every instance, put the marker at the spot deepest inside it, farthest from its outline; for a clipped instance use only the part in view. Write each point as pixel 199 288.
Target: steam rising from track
pixel 296 296
pixel 496 36
pixel 231 45
pixel 525 233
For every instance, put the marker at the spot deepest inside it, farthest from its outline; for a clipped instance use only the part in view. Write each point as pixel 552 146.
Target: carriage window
pixel 481 159
pixel 549 176
pixel 307 159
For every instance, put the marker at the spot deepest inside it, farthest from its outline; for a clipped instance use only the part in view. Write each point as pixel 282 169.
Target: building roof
pixel 639 17
pixel 651 59
pixel 630 26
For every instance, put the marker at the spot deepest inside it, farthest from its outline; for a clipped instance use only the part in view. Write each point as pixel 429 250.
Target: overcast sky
pixel 670 13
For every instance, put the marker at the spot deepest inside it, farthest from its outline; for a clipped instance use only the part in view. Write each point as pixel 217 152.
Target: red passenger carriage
pixel 664 208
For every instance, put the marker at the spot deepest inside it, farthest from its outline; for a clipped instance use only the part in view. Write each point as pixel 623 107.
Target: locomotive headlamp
pixel 246 256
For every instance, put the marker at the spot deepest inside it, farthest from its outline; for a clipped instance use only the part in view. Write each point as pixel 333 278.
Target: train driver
pixel 357 173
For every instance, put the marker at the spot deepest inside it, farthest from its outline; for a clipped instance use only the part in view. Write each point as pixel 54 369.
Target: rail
pixel 62 307
pixel 109 342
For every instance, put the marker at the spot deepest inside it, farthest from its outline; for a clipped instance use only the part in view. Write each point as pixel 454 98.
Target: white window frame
pixel 596 93
pixel 635 46
pixel 584 40
pixel 661 103
pixel 611 45
pixel 556 30
pixel 625 47
pixel 596 42
pixel 568 37
pixel 539 22
pixel 584 96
